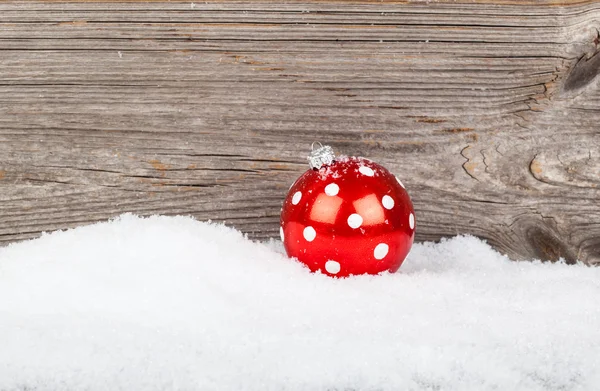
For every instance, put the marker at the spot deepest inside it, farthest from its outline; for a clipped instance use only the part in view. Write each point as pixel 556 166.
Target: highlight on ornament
pixel 347 216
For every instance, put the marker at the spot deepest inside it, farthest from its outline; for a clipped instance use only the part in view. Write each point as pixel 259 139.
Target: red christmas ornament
pixel 347 216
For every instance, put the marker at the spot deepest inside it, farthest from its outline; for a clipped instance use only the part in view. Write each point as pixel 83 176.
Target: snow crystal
pixel 173 303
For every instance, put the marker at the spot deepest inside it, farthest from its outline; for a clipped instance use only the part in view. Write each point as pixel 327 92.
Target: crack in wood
pixel 583 73
pixel 467 160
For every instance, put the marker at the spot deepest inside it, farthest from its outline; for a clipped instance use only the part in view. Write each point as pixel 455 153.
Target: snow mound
pixel 170 303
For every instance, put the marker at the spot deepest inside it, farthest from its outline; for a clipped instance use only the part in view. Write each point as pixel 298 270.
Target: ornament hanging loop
pixel 312 146
pixel 321 156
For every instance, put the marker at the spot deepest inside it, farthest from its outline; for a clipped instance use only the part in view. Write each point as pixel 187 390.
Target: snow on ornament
pixel 347 216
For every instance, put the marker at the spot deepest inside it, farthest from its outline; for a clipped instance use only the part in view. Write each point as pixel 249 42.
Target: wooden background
pixel 489 111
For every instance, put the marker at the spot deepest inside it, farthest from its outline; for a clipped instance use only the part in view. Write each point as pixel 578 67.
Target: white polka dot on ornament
pixel 368 171
pixel 281 233
pixel 332 267
pixel 355 220
pixel 411 221
pixel 332 189
pixel 381 250
pixel 309 234
pixel 387 202
pixel 296 198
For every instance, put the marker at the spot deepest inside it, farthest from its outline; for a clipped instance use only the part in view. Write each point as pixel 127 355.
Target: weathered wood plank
pixel 488 112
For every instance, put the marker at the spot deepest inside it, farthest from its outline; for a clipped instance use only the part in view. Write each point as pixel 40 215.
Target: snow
pixel 170 303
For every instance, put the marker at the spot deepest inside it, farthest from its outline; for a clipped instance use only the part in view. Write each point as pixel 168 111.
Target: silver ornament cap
pixel 322 156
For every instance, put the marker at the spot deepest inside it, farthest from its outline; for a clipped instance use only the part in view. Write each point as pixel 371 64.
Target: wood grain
pixel 488 111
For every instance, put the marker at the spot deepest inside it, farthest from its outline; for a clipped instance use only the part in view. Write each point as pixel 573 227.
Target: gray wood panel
pixel 488 111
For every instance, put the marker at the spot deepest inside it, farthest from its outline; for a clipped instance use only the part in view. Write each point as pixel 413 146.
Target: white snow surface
pixel 170 303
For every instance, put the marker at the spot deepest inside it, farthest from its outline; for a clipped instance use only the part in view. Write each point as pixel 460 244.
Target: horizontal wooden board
pixel 488 111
